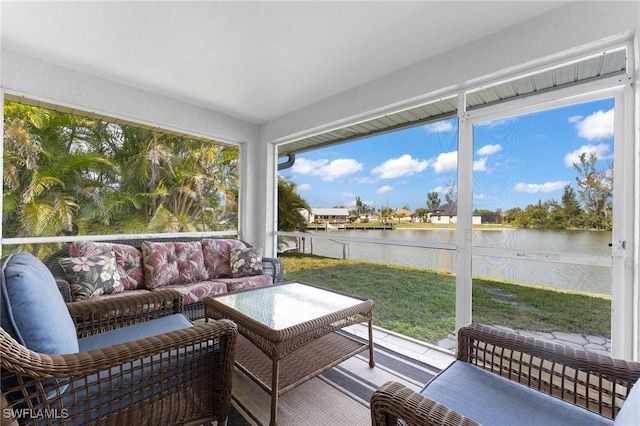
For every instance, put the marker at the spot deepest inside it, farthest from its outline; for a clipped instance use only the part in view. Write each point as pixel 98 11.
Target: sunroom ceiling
pixel 252 60
pixel 585 69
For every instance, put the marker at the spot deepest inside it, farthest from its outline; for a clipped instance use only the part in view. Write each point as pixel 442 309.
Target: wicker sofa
pixel 125 360
pixel 212 274
pixel 504 378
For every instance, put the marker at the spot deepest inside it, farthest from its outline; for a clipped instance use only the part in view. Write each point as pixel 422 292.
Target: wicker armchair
pixel 181 376
pixel 575 383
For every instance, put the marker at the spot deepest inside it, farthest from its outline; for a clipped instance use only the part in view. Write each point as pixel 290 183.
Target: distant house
pixel 322 215
pixel 447 214
pixel 404 215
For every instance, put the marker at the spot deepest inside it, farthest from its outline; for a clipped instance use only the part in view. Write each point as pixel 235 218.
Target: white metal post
pixel 464 231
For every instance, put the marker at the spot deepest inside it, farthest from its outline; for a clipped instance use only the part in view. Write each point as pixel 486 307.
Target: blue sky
pixel 517 161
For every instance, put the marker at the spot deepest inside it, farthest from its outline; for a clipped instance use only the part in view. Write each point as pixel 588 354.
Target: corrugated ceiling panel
pixel 442 108
pixel 387 121
pixel 587 69
pixel 614 62
pixel 566 75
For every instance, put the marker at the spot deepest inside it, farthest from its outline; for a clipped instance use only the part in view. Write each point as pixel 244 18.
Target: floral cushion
pixel 128 260
pixel 91 276
pixel 196 292
pixel 169 263
pixel 245 262
pixel 216 255
pixel 246 283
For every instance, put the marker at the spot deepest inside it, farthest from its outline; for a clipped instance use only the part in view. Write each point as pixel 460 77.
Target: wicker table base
pixel 280 347
pixel 302 365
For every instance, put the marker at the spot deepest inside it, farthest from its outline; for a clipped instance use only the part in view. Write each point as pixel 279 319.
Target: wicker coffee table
pixel 289 332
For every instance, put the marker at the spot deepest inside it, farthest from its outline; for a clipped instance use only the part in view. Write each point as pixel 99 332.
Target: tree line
pixel 71 175
pixel 590 207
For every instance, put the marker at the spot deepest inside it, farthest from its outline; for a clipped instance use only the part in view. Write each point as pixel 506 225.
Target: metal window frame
pixel 620 89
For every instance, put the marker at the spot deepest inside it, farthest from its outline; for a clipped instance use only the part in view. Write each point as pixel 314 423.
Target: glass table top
pixel 285 305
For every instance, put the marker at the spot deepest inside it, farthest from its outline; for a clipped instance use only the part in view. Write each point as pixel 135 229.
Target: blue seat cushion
pixel 494 400
pixel 32 309
pixel 134 381
pixel 142 330
pixel 629 414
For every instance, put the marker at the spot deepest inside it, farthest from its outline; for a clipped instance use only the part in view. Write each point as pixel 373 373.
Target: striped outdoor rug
pixel 339 396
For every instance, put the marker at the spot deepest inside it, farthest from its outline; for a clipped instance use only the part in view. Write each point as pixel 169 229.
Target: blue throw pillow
pixel 32 309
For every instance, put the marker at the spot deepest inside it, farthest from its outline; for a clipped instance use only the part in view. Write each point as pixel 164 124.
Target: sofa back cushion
pixel 167 263
pixel 216 255
pixel 32 310
pixel 128 260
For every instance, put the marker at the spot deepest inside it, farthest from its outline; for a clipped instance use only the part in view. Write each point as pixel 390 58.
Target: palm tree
pixel 66 174
pixel 289 206
pixel 171 184
pixel 45 169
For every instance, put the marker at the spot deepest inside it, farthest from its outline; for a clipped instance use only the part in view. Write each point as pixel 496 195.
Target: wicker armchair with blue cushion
pixel 130 360
pixel 502 378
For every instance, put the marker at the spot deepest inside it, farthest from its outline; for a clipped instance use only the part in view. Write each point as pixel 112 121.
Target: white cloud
pixel 439 189
pixel 596 126
pixel 601 151
pixel 304 187
pixel 446 162
pixel 325 170
pixel 305 167
pixel 440 127
pixel 401 166
pixel 489 149
pixel 480 165
pixel 348 194
pixel 533 188
pixel 383 189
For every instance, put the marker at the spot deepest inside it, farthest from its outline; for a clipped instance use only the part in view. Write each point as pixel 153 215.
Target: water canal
pixel 585 278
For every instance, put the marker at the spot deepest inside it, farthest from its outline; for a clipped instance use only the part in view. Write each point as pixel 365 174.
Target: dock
pixel 347 227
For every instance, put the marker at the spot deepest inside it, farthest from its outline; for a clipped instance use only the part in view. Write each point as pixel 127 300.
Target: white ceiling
pixel 252 60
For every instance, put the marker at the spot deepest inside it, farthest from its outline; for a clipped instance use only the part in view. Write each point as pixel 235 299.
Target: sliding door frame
pixel 623 322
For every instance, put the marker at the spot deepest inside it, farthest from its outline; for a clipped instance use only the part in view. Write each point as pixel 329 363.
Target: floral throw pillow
pixel 92 276
pixel 167 263
pixel 245 262
pixel 216 255
pixel 128 260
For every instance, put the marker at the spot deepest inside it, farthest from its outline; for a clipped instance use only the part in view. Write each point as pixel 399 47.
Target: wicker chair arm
pixel 40 366
pixel 595 363
pixel 273 266
pixel 393 401
pixel 65 289
pixel 97 315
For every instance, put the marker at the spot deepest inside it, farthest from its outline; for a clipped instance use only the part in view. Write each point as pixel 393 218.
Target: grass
pixel 420 303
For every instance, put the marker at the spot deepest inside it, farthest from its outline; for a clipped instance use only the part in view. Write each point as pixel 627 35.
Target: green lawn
pixel 420 303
